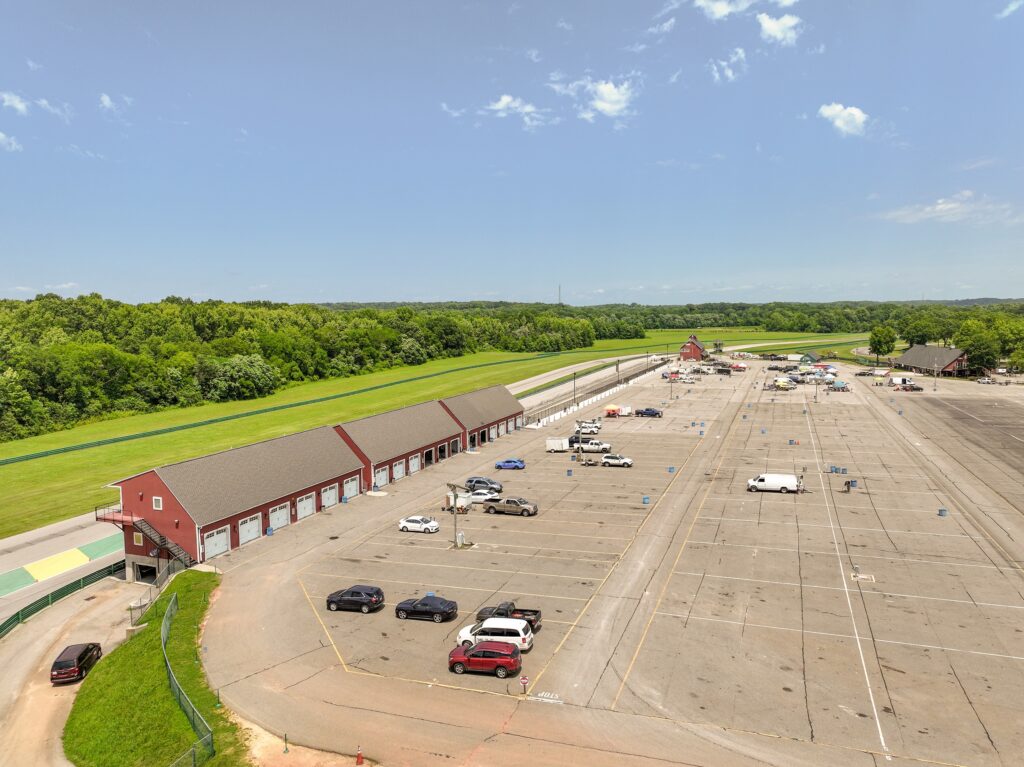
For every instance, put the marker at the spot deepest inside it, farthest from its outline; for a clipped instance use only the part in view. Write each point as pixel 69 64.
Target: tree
pixel 881 341
pixel 979 342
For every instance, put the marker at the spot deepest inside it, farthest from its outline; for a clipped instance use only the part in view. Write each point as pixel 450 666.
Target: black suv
pixel 74 662
pixel 362 598
pixel 484 483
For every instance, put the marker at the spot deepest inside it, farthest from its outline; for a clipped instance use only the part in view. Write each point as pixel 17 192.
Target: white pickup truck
pixel 593 446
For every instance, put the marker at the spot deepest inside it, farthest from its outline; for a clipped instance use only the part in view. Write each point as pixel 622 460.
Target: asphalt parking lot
pixel 828 627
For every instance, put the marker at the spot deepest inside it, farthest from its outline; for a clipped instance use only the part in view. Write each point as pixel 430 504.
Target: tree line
pixel 64 361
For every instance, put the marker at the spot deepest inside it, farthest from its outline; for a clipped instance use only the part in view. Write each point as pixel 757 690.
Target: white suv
pixel 511 630
pixel 616 460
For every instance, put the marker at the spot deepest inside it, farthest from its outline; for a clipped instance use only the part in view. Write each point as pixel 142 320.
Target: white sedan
pixel 418 525
pixel 616 460
pixel 483 496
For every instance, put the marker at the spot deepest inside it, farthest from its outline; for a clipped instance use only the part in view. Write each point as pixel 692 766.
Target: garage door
pixel 329 496
pixel 249 529
pixel 494 433
pixel 279 516
pixel 380 477
pixel 519 422
pixel 216 543
pixel 398 470
pixel 351 487
pixel 501 429
pixel 305 506
pixel 414 464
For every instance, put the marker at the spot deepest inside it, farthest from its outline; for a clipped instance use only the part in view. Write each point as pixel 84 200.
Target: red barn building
pixel 485 414
pixel 692 350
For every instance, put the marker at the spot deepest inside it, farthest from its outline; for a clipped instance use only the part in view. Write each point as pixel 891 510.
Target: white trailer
pixel 557 444
pixel 457 503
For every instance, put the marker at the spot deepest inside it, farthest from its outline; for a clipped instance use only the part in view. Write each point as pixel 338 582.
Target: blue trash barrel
pixel 853 483
pixel 647 499
pixel 702 424
pixel 764 431
pixel 693 423
pixel 702 432
pixel 671 469
pixel 899 412
pixel 344 499
pixel 943 512
pixel 843 470
pixel 792 441
pixel 270 531
pixel 744 416
pixel 572 457
pixel 568 472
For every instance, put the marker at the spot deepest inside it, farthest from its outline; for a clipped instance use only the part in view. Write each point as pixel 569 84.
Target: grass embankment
pixel 46 490
pixel 843 347
pixel 124 714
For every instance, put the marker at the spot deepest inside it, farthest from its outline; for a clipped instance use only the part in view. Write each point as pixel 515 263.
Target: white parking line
pixel 521 532
pixel 863 590
pixel 447 544
pixel 489 569
pixel 845 527
pixel 840 636
pixel 489 553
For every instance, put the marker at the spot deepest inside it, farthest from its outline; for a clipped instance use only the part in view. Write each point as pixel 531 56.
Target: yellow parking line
pixel 322 625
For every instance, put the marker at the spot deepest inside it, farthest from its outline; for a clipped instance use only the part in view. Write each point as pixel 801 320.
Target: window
pixel 158 503
pixel 137 539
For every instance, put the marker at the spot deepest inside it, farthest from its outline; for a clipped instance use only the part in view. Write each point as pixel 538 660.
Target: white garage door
pixel 217 542
pixel 351 487
pixel 380 477
pixel 279 516
pixel 249 529
pixel 414 463
pixel 329 496
pixel 494 433
pixel 519 422
pixel 305 506
pixel 510 425
pixel 398 470
pixel 501 429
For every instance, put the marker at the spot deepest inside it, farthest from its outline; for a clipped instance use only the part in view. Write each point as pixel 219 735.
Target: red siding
pixel 173 522
pixel 367 479
pixel 405 456
pixel 689 351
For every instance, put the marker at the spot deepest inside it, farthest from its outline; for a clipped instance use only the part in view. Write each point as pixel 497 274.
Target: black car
pixel 74 662
pixel 430 607
pixel 574 440
pixel 362 598
pixel 484 483
pixel 864 373
pixel 649 412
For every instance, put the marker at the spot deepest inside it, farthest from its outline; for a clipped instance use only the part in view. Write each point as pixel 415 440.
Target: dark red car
pixel 74 662
pixel 498 658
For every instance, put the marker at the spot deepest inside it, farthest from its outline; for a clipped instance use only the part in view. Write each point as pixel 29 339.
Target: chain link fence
pixel 202 749
pixel 138 608
pixel 42 603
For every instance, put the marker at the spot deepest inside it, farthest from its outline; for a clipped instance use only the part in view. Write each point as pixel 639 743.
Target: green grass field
pixel 124 714
pixel 50 489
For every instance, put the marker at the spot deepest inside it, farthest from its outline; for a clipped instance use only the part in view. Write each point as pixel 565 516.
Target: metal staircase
pixel 162 542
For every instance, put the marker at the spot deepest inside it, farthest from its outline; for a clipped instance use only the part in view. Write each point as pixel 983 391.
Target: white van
pixel 512 630
pixel 779 483
pixel 900 380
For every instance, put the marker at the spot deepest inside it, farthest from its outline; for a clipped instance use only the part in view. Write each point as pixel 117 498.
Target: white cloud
pixel 452 112
pixel 636 47
pixel 786 3
pixel 507 105
pixel 674 77
pixel 978 163
pixel 595 97
pixel 129 100
pixel 557 76
pixel 533 55
pixel 86 153
pixel 849 121
pixel 23 289
pixel 9 143
pixel 964 207
pixel 730 68
pixel 667 8
pixel 663 28
pixel 33 65
pixel 817 51
pixel 64 111
pixel 62 286
pixel 720 9
pixel 107 104
pixel 14 101
pixel 563 24
pixel 783 30
pixel 1012 7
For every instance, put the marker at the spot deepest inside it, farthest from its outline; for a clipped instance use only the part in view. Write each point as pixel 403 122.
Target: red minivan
pixel 498 658
pixel 74 662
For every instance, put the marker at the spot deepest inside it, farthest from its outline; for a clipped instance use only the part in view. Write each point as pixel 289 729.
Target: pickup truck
pixel 648 412
pixel 519 506
pixel 593 446
pixel 509 610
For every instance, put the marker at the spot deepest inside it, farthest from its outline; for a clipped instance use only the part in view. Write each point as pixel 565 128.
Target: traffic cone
pixel 359 754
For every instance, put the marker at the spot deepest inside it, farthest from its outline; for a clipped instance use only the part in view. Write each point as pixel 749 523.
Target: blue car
pixel 511 463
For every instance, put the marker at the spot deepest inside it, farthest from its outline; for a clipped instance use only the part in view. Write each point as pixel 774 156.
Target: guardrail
pixel 569 404
pixel 202 749
pixel 56 595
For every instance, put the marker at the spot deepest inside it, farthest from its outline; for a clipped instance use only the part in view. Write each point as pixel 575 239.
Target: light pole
pixel 574 388
pixel 935 377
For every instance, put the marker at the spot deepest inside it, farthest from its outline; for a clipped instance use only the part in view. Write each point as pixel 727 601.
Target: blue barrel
pixel 702 432
pixel 702 424
pixel 744 416
pixel 764 431
pixel 568 472
pixel 647 499
pixel 375 488
pixel 899 412
pixel 693 423
pixel 344 499
pixel 671 469
pixel 572 457
pixel 843 470
pixel 748 406
pixel 853 483
pixel 792 441
pixel 834 469
pixel 943 511
pixel 270 531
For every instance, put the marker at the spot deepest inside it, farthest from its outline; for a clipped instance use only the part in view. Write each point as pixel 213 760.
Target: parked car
pixel 510 610
pixel 574 440
pixel 430 608
pixel 362 598
pixel 511 463
pixel 519 506
pixel 616 460
pixel 910 387
pixel 483 496
pixel 780 483
pixel 418 524
pixel 648 412
pixel 484 483
pixel 986 381
pixel 864 373
pixel 74 662
pixel 499 658
pixel 512 630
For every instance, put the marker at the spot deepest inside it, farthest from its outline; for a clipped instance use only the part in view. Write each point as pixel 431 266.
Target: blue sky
pixel 657 152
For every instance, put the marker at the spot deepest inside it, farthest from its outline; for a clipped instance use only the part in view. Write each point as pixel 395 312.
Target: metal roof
pixel 929 357
pixel 398 432
pixel 214 487
pixel 695 342
pixel 477 409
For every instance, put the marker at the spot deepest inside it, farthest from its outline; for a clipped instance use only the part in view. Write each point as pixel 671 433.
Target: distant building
pixel 809 358
pixel 692 350
pixel 924 359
